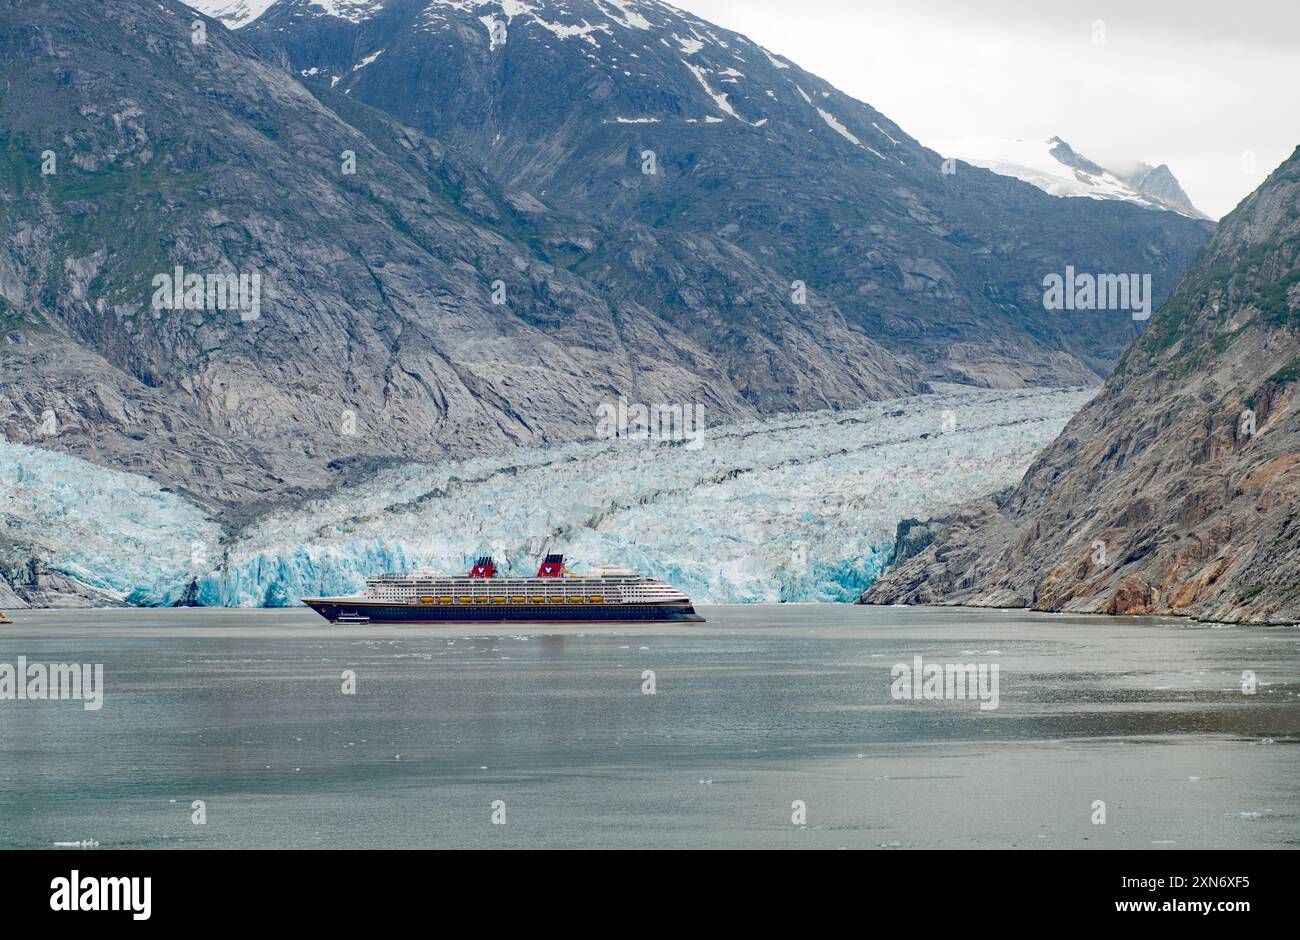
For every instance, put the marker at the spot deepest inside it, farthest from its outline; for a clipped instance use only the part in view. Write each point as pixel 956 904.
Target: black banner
pixel 131 889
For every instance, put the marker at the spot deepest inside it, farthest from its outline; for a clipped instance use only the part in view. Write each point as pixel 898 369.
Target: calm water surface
pixel 758 708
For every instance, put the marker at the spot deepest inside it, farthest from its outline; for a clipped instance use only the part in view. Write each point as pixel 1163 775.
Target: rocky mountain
pixel 232 13
pixel 377 336
pixel 1176 489
pixel 1057 168
pixel 762 174
pixel 1160 184
pixel 464 223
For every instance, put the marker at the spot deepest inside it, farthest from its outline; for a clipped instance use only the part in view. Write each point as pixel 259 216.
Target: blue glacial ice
pixel 797 508
pixel 118 533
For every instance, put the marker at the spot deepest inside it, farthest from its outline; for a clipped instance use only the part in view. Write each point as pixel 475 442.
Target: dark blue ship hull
pixel 503 613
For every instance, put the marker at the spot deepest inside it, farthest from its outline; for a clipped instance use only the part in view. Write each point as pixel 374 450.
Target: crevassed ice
pixel 792 508
pixel 800 508
pixel 116 532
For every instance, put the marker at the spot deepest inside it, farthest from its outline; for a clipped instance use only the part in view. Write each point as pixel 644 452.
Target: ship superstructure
pixel 605 593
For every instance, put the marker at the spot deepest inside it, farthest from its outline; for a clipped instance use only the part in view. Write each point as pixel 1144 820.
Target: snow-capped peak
pixel 1051 165
pixel 1038 162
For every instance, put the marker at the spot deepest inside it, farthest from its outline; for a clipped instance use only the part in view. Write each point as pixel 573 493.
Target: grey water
pixel 768 727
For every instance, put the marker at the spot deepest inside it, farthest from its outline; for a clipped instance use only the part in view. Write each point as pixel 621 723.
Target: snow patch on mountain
pixel 839 128
pixel 1036 162
pixel 891 138
pixel 233 13
pixel 719 98
pixel 504 12
pixel 238 13
pixel 774 60
pixel 354 11
pixel 497 31
pixel 631 19
pixel 689 46
pixel 1054 167
pixel 368 59
pixel 833 123
pixel 711 59
pixel 565 31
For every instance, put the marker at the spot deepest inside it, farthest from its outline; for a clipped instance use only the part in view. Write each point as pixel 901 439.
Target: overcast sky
pixel 1198 84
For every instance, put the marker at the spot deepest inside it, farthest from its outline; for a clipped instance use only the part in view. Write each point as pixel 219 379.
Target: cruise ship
pixel 605 594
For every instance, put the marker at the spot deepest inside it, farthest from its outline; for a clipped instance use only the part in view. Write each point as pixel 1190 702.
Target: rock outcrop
pixel 791 251
pixel 1177 489
pixel 764 175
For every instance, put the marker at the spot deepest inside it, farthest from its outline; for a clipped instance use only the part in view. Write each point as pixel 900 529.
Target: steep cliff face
pixel 764 175
pixel 128 148
pixel 416 300
pixel 1177 489
pixel 1159 183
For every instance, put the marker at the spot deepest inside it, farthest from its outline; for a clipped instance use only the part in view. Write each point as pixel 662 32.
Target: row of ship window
pixel 473 582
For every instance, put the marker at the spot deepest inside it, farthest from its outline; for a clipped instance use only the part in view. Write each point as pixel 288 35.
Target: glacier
pixel 119 534
pixel 793 508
